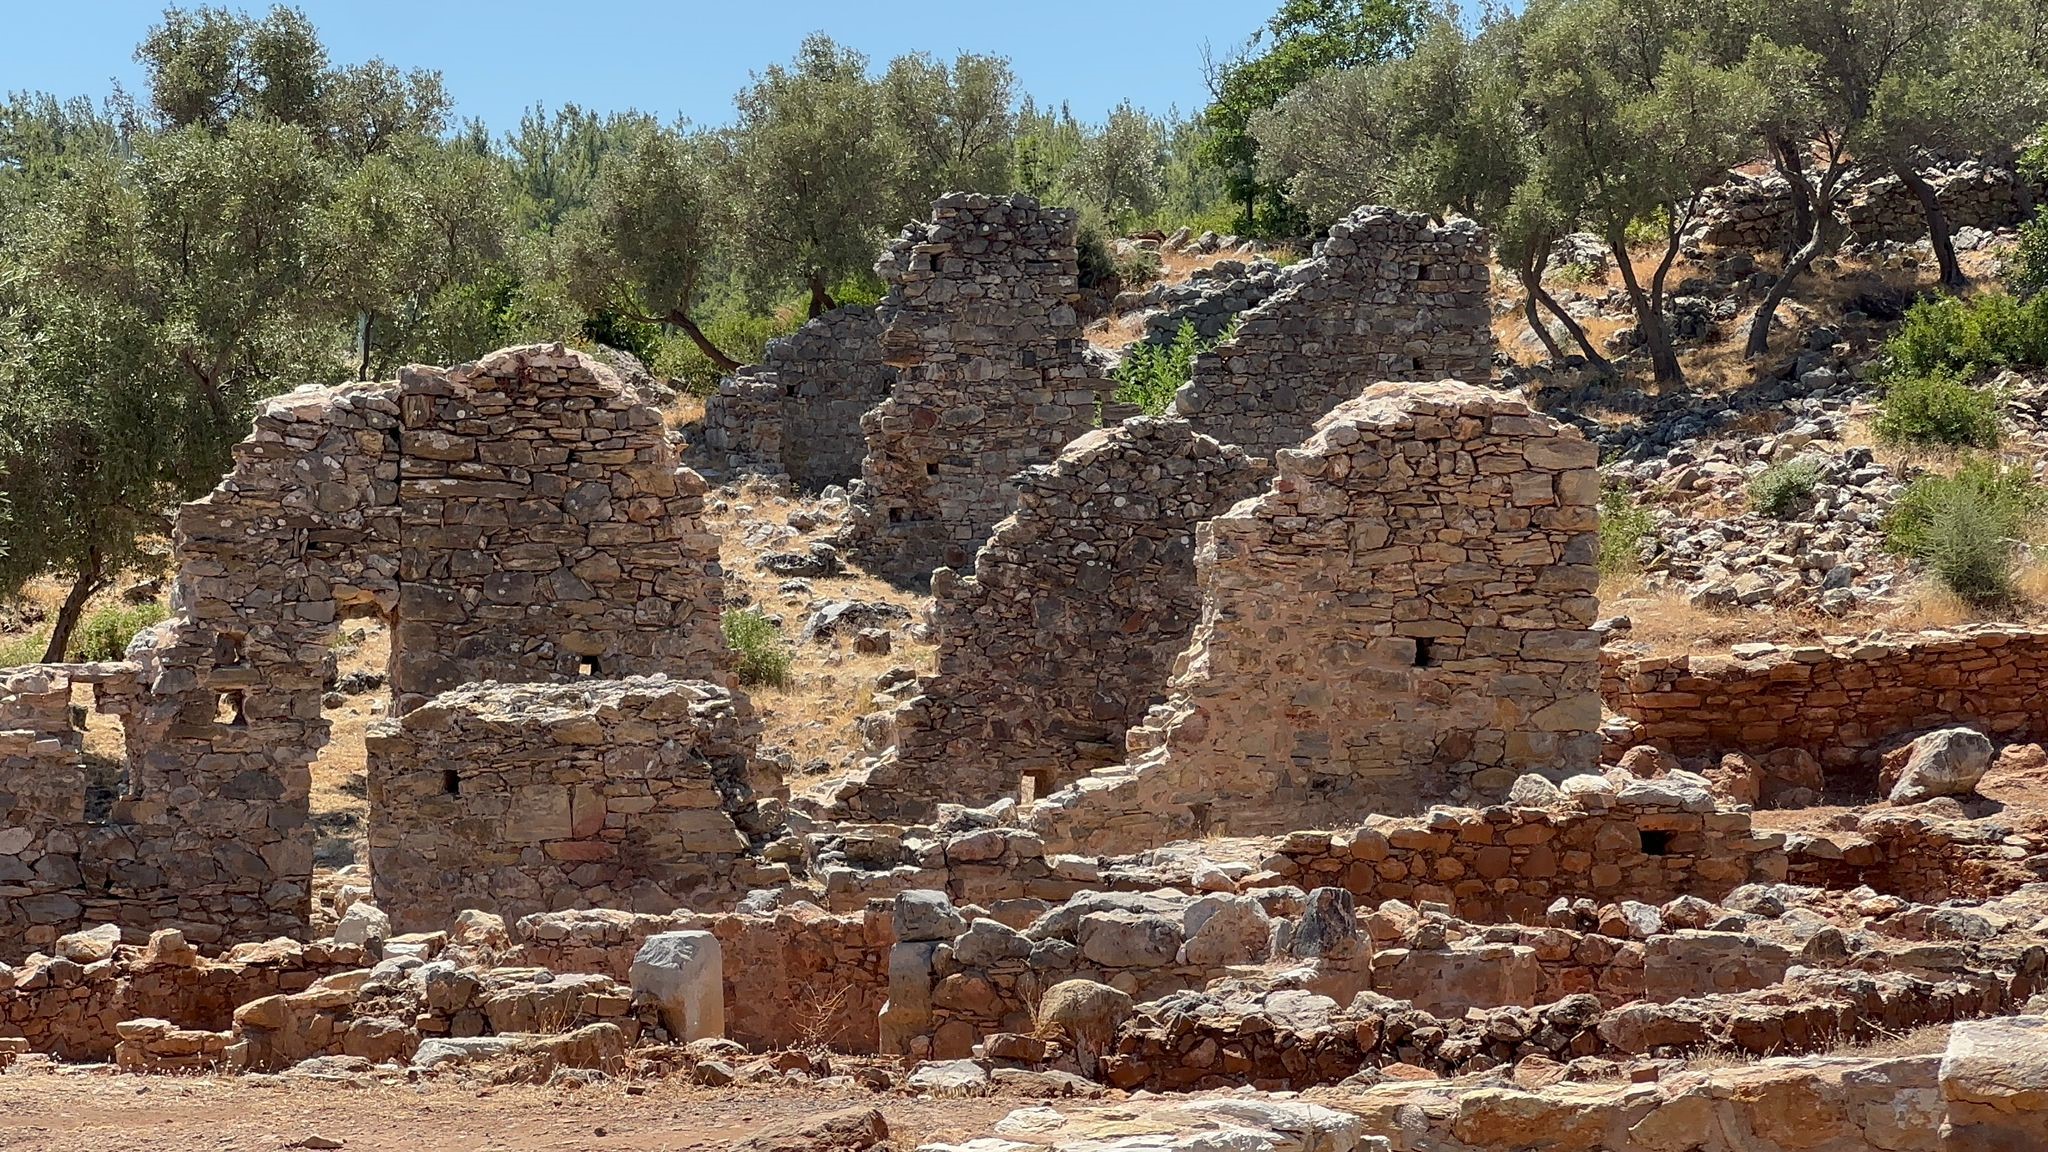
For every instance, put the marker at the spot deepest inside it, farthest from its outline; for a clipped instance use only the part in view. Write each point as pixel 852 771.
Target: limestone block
pixel 685 973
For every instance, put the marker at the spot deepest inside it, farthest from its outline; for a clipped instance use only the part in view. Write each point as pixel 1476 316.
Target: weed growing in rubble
pixel 758 645
pixel 1968 528
pixel 1152 373
pixel 1624 525
pixel 1783 489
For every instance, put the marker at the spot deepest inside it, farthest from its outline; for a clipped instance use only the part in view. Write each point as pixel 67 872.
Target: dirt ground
pixel 92 1108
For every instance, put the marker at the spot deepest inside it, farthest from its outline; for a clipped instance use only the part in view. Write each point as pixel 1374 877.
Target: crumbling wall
pixel 1756 212
pixel 1844 702
pixel 1065 633
pixel 1389 296
pixel 1405 615
pixel 547 531
pixel 798 411
pixel 991 378
pixel 520 798
pixel 518 517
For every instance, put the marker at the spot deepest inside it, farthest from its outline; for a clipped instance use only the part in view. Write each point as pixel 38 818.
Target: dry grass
pixel 1664 621
pixel 1925 1040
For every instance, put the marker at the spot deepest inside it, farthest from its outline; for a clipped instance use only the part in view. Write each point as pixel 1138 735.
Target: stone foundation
pixel 1389 296
pixel 1404 616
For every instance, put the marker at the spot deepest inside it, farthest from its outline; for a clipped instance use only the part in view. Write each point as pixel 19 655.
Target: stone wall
pixel 1756 212
pixel 1066 631
pixel 519 517
pixel 547 532
pixel 1404 616
pixel 992 378
pixel 797 412
pixel 1841 702
pixel 520 798
pixel 1389 296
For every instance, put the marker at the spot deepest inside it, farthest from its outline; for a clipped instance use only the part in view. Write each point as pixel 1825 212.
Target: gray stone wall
pixel 517 517
pixel 797 413
pixel 1388 296
pixel 992 378
pixel 1064 634
pixel 521 798
pixel 547 531
pixel 1404 616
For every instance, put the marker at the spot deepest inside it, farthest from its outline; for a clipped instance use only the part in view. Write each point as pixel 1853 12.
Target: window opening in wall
pixel 451 782
pixel 228 710
pixel 1656 843
pixel 1425 652
pixel 587 666
pixel 227 649
pixel 931 469
pixel 1027 789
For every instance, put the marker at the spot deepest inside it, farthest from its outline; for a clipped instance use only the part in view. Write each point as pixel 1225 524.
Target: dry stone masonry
pixel 797 413
pixel 1065 633
pixel 520 798
pixel 992 378
pixel 1405 615
pixel 517 518
pixel 1389 296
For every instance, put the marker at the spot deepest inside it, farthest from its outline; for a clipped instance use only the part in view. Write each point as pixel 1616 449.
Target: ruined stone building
pixel 992 378
pixel 1405 615
pixel 519 518
pixel 1389 295
pixel 1063 634
pixel 520 798
pixel 797 413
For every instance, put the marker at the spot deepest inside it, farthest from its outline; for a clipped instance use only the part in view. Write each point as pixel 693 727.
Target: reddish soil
pixel 96 1108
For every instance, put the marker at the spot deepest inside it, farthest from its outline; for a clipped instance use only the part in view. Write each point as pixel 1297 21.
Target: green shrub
pixel 1938 409
pixel 1624 525
pixel 757 644
pixel 24 649
pixel 1091 249
pixel 105 634
pixel 1151 373
pixel 742 335
pixel 1783 489
pixel 1967 336
pixel 1967 527
pixel 1138 268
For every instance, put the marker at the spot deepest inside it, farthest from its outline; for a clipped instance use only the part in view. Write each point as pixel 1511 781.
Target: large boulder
pixel 1994 1077
pixel 847 1130
pixel 684 972
pixel 1087 1014
pixel 1947 762
pixel 926 915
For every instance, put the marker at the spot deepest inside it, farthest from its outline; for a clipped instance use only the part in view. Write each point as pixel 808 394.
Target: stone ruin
pixel 1063 635
pixel 516 519
pixel 638 793
pixel 992 377
pixel 1388 296
pixel 1322 737
pixel 796 413
pixel 1404 616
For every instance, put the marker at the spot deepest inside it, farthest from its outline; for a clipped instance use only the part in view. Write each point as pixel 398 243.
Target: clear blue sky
pixel 683 56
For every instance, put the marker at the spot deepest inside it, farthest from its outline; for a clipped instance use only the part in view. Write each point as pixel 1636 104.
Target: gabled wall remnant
pixel 1389 296
pixel 797 412
pixel 1404 616
pixel 991 378
pixel 520 798
pixel 519 517
pixel 1065 633
pixel 546 532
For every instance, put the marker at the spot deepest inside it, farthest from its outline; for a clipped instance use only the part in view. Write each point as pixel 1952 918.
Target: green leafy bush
pixel 1624 525
pixel 1138 268
pixel 1151 373
pixel 757 644
pixel 1783 489
pixel 1967 336
pixel 105 634
pixel 1938 409
pixel 1967 527
pixel 740 334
